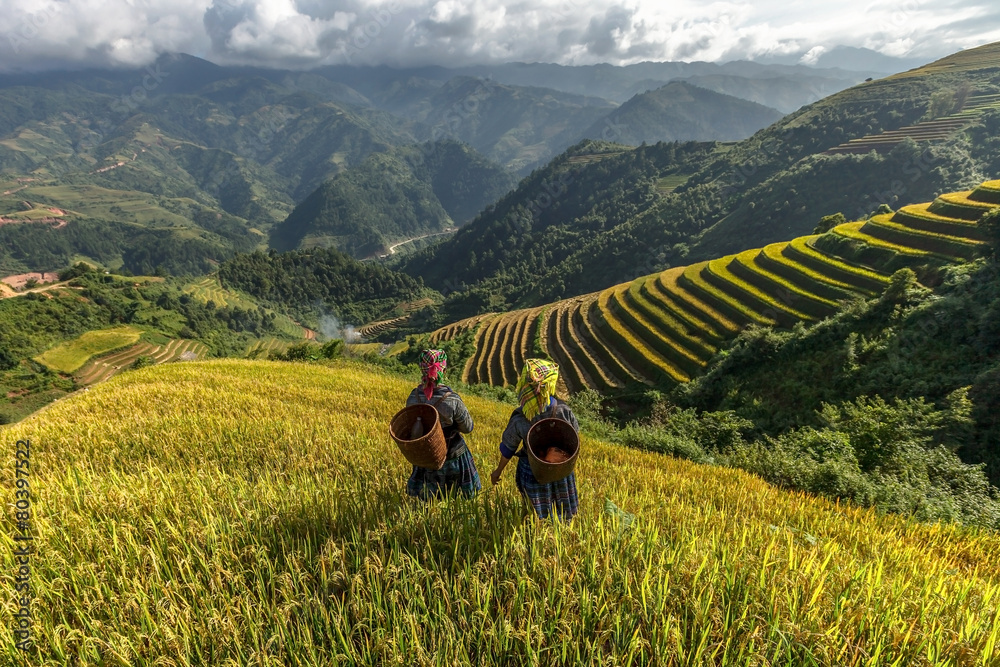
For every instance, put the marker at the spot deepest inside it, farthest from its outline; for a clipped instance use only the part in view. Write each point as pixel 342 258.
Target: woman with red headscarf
pixel 459 471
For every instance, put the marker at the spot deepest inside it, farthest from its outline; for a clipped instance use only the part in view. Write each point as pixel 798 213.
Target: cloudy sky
pixel 303 33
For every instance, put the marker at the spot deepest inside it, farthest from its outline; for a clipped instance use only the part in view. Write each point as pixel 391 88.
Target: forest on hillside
pixel 307 283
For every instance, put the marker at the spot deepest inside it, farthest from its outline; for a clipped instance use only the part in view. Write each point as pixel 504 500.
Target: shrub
pixel 332 349
pixel 586 405
pixel 885 437
pixel 901 284
pixel 828 222
pixel 791 461
pixel 709 431
pixel 297 352
pixel 141 361
pixel 77 270
pixel 655 439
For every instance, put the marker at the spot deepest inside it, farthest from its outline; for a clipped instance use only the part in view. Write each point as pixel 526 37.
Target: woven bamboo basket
pixel 428 451
pixel 542 437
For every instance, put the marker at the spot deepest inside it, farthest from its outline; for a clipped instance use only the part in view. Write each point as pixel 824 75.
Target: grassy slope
pixel 233 512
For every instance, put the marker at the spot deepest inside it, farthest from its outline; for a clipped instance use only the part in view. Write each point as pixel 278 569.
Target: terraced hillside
pixel 265 346
pixel 590 158
pixel 937 129
pixel 666 326
pixel 373 329
pixel 457 328
pixel 209 289
pixel 102 368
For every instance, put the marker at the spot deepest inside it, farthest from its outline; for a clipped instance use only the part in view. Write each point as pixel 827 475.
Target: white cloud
pixel 299 33
pixel 812 55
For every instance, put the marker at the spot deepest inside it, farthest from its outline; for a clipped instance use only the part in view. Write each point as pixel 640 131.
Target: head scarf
pixel 432 365
pixel 536 386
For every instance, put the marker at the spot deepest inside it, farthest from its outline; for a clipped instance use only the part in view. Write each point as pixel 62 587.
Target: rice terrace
pixel 276 318
pixel 669 324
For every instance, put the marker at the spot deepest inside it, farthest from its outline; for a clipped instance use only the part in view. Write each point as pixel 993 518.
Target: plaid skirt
pixel 557 498
pixel 457 474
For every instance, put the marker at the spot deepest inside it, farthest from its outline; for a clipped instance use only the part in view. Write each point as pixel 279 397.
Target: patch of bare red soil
pixel 19 280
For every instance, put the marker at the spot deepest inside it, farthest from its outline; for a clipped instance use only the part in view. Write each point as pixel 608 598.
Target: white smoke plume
pixel 331 328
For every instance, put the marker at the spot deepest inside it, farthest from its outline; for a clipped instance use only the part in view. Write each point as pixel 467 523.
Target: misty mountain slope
pixel 778 184
pixel 515 126
pixel 249 143
pixel 400 194
pixel 680 111
pixel 621 83
pixel 288 122
pixel 783 93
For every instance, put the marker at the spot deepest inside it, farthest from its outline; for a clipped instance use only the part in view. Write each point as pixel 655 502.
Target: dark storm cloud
pixel 301 33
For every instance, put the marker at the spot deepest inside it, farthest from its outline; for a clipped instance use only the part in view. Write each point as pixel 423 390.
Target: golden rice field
pixel 252 513
pixel 667 326
pixel 69 356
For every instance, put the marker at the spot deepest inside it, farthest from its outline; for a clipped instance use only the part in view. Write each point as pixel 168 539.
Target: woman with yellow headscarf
pixel 536 391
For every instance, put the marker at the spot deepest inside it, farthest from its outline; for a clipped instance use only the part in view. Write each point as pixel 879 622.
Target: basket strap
pixel 441 398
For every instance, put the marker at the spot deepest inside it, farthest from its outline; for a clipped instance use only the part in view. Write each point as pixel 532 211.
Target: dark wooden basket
pixel 552 432
pixel 428 451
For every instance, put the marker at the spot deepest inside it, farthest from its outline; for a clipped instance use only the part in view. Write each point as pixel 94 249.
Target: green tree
pixel 940 104
pixel 7 358
pixel 900 284
pixel 990 226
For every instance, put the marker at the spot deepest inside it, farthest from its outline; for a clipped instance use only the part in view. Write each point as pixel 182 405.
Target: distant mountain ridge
pixel 849 58
pixel 616 83
pixel 680 111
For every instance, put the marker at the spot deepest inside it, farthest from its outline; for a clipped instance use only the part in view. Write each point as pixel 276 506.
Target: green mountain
pixel 184 163
pixel 495 261
pixel 680 111
pixel 176 179
pixel 404 193
pixel 680 204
